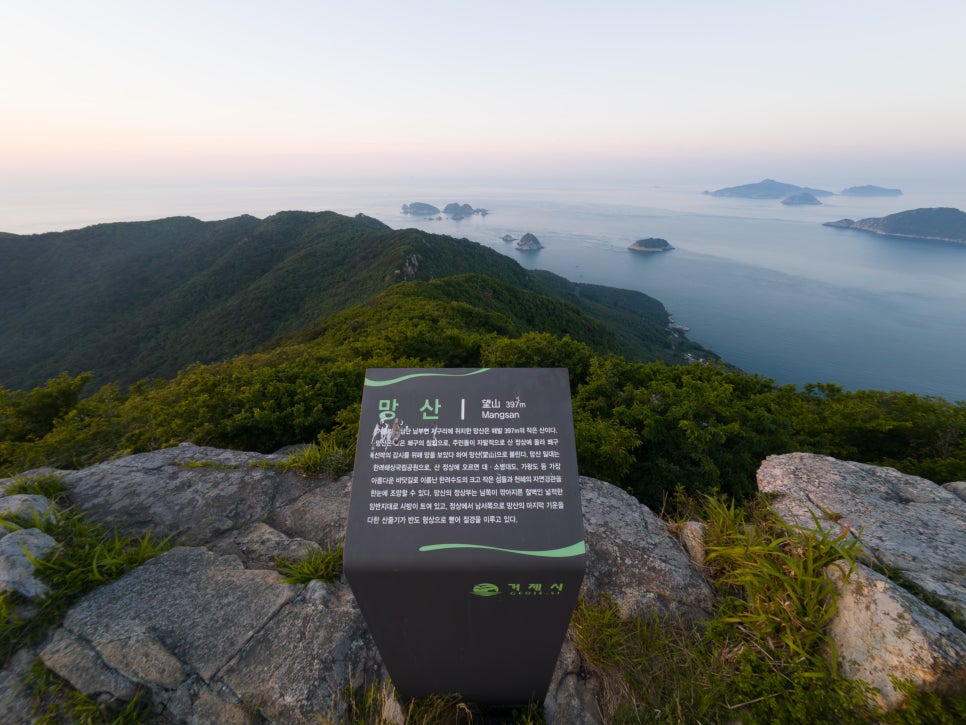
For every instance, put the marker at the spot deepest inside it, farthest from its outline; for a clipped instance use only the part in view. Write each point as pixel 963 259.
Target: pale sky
pixel 370 86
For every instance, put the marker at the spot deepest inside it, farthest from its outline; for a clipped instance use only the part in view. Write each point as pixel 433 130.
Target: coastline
pixel 857 227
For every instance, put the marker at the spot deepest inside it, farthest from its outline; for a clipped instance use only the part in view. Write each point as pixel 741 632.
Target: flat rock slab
pixel 212 641
pixel 170 625
pixel 193 493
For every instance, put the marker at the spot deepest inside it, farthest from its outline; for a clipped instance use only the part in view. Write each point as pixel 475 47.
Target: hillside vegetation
pixel 137 300
pixel 652 427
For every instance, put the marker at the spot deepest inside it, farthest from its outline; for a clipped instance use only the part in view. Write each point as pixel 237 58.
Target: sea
pixel 765 286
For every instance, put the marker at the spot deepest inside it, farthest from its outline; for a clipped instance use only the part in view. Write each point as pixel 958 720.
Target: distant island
pixel 791 194
pixel 767 189
pixel 529 243
pixel 869 190
pixel 458 211
pixel 454 210
pixel 801 199
pixel 941 224
pixel 508 238
pixel 420 208
pixel 651 244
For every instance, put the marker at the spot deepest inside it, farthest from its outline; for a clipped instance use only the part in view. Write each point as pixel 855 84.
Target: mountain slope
pixel 143 299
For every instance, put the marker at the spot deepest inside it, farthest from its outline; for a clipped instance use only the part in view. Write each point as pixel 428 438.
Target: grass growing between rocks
pixel 87 556
pixel 48 485
pixel 334 451
pixel 57 702
pixel 763 658
pixel 317 458
pixel 325 565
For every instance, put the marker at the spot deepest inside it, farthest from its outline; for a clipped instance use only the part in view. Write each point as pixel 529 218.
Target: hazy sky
pixel 284 87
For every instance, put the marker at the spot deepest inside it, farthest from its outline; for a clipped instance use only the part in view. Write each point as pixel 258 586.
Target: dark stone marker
pixel 465 542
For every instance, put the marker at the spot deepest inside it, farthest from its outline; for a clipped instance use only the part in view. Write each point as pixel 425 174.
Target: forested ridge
pixel 132 300
pixel 644 418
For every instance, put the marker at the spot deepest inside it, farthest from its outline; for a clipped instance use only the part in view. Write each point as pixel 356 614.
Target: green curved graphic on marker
pixel 384 383
pixel 572 550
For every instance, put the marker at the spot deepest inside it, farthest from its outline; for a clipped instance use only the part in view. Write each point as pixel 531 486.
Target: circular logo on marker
pixel 486 590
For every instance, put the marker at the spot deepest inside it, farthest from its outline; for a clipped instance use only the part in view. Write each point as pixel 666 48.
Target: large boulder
pixel 634 559
pixel 884 634
pixel 907 524
pixel 911 529
pixel 192 493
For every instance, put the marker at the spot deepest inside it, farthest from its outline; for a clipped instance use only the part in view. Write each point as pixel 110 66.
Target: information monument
pixel 465 542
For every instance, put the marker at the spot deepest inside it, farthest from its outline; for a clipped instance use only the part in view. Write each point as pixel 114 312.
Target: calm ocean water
pixel 765 286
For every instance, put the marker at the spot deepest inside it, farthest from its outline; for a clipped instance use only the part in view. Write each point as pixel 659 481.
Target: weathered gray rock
pixel 633 557
pixel 906 523
pixel 16 569
pixel 691 534
pixel 956 487
pixel 214 642
pixel 881 631
pixel 297 667
pixel 259 545
pixel 169 626
pixel 194 493
pixel 319 515
pixel 24 506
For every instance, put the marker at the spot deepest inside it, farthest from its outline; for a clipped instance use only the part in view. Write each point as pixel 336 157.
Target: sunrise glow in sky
pixel 376 86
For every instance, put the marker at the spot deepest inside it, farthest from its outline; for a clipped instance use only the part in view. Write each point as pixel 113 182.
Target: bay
pixel 768 288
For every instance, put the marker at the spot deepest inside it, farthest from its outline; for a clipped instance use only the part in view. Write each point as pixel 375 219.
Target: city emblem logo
pixel 486 590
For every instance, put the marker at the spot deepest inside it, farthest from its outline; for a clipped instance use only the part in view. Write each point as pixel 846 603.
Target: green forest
pixel 267 344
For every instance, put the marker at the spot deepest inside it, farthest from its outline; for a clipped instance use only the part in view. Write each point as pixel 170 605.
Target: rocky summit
pixel 213 632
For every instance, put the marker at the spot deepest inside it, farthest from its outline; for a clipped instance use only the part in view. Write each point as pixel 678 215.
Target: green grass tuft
pixel 48 485
pixel 323 565
pixel 318 458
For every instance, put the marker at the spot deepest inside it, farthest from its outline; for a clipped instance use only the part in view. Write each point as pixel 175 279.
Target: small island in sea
pixel 458 211
pixel 801 199
pixel 767 189
pixel 453 210
pixel 529 243
pixel 870 190
pixel 420 208
pixel 940 224
pixel 651 244
pixel 792 194
pixel 508 238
